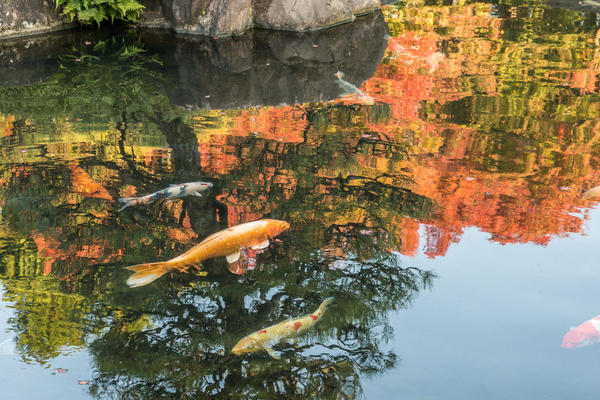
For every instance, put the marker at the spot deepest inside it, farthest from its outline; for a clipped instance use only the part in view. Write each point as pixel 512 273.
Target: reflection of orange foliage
pixel 6 122
pixel 218 147
pixel 47 250
pixel 217 156
pixel 51 250
pixel 182 235
pixel 158 159
pixel 240 211
pixel 512 207
pixel 83 183
pixel 407 231
pixel 286 123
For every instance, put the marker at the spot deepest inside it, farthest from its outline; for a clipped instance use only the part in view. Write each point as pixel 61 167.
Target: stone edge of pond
pixel 221 18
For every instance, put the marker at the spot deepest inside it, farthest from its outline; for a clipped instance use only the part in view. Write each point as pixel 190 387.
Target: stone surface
pixel 294 15
pixel 208 17
pixel 360 7
pixel 200 17
pixel 153 15
pixel 232 17
pixel 28 17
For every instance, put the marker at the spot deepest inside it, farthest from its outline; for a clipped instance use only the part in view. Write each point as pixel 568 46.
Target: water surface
pixel 440 203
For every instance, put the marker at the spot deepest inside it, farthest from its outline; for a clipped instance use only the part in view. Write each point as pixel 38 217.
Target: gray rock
pixel 208 17
pixel 294 15
pixel 153 15
pixel 231 17
pixel 28 17
pixel 200 17
pixel 360 7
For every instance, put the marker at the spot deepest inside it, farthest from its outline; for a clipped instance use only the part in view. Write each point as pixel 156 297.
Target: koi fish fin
pixel 325 304
pixel 261 245
pixel 237 268
pixel 146 273
pixel 128 201
pixel 275 354
pixel 233 257
pixel 198 194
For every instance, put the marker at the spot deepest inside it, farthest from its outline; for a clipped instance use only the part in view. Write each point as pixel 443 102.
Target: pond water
pixel 434 162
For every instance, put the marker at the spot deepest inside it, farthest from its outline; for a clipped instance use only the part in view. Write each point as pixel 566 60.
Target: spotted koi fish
pixel 228 242
pixel 265 339
pixel 170 193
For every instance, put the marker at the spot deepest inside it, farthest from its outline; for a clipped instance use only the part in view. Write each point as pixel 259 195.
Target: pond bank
pixel 199 17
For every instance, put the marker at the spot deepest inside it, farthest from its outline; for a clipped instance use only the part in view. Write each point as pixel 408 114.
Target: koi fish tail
pixel 325 304
pixel 339 74
pixel 127 202
pixel 146 273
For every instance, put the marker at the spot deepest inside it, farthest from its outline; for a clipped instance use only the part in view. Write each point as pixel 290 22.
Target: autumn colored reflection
pixel 474 115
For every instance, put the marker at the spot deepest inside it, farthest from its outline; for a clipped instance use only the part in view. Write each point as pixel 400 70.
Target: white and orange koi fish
pixel 351 92
pixel 265 339
pixel 228 242
pixel 592 194
pixel 170 193
pixel 583 335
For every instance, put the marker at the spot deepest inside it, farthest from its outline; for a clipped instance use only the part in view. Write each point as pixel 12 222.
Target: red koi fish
pixel 583 335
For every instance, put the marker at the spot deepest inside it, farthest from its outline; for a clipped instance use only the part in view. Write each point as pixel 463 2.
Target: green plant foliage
pixel 89 11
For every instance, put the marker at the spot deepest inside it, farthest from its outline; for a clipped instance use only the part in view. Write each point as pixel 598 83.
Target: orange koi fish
pixel 228 242
pixel 583 335
pixel 265 339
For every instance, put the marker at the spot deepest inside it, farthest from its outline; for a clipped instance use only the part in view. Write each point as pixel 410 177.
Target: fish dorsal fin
pixel 262 245
pixel 231 258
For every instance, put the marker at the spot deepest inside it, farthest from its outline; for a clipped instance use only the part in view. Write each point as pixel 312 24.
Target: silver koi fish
pixel 172 192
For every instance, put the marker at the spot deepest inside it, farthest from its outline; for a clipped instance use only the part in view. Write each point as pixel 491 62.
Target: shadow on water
pixel 260 68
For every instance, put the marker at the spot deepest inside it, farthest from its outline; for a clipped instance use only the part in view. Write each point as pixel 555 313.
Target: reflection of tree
pixel 183 347
pixel 188 353
pixel 348 178
pixel 47 322
pixel 506 133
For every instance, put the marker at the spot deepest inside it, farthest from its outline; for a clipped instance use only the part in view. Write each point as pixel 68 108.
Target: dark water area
pixel 436 163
